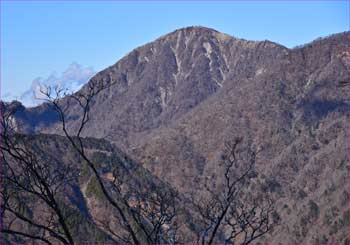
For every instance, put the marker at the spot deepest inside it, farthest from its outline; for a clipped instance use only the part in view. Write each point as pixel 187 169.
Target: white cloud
pixel 8 97
pixel 71 79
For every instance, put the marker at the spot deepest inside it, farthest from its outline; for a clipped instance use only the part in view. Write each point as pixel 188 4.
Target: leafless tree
pixel 154 207
pixel 146 213
pixel 25 176
pixel 229 214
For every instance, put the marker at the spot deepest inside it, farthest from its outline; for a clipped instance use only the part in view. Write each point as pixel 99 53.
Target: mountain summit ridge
pixel 168 62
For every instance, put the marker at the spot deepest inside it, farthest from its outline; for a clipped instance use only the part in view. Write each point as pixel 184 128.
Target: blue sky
pixel 38 38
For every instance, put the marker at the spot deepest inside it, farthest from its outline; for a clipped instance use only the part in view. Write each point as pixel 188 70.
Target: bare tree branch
pixel 230 212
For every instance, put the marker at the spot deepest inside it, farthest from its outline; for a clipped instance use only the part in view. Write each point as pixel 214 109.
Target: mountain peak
pixel 197 31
